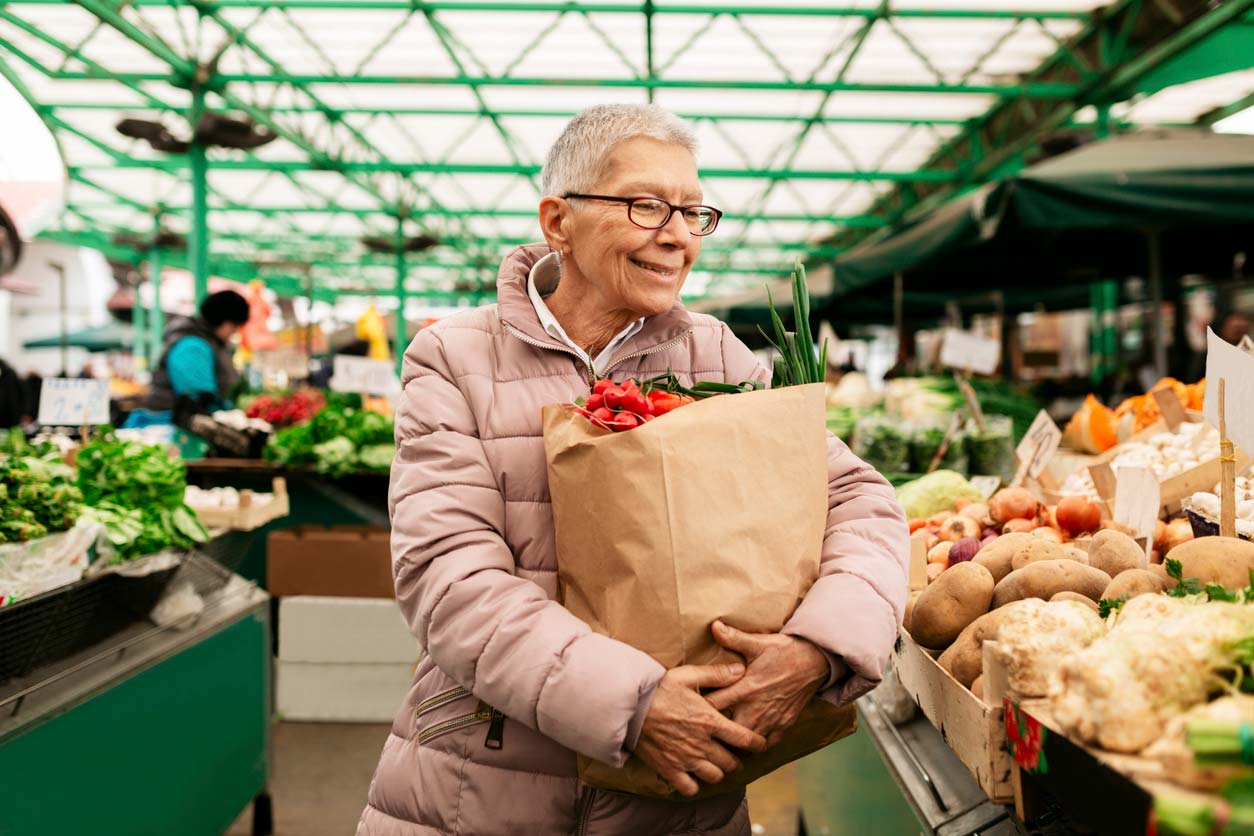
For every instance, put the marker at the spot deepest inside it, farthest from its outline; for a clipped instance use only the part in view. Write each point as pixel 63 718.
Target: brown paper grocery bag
pixel 716 510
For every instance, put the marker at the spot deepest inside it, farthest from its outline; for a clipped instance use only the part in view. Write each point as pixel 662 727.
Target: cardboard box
pixel 347 630
pixel 353 561
pixel 341 693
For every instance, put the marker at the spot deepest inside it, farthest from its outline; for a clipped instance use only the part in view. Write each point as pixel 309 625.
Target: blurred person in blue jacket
pixel 197 356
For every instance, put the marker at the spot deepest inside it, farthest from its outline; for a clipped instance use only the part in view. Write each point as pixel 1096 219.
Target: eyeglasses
pixel 654 213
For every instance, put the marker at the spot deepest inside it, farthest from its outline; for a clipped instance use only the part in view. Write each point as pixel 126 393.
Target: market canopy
pixel 112 336
pixel 355 123
pixel 1082 216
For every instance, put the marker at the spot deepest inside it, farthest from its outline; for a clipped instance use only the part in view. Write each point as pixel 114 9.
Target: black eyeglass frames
pixel 655 213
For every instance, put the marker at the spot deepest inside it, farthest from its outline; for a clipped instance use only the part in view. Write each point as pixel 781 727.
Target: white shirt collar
pixel 547 271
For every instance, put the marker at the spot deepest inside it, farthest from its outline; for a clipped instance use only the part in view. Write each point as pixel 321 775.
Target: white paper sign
pixel 67 402
pixel 970 352
pixel 986 485
pixel 362 374
pixel 1236 368
pixel 1137 499
pixel 1039 444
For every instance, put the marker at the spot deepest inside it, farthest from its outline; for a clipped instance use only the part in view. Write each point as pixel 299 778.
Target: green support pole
pixel 139 331
pixel 198 245
pixel 401 329
pixel 156 322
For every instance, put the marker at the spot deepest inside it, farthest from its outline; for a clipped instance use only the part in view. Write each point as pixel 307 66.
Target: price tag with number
pixel 67 402
pixel 1039 444
pixel 1236 369
pixel 362 374
pixel 970 352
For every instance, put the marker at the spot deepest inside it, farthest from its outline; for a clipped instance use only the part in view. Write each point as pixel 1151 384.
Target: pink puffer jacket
pixel 512 682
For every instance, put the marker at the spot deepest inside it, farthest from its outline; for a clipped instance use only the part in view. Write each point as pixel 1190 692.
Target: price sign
pixel 970 352
pixel 1236 368
pixel 362 374
pixel 1039 444
pixel 65 402
pixel 986 485
pixel 1137 499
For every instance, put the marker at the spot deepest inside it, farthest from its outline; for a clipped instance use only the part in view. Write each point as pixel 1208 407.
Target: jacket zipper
pixel 591 373
pixel 583 810
pixel 481 715
pixel 495 738
pixel 440 699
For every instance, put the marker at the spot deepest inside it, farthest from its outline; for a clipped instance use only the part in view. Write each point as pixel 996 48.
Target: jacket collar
pixel 518 313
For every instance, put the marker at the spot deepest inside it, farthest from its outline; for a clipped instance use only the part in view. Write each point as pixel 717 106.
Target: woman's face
pixel 634 269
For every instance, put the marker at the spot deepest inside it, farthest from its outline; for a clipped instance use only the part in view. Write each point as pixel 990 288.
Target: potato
pixel 959 596
pixel 997 556
pixel 1134 582
pixel 934 571
pixel 1222 560
pixel 965 657
pixel 1046 550
pixel 1046 578
pixel 910 602
pixel 1068 595
pixel 977 687
pixel 1114 552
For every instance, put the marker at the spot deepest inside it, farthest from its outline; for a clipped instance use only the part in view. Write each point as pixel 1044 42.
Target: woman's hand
pixel 784 675
pixel 681 732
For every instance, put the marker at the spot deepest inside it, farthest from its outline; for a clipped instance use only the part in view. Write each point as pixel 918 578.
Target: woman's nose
pixel 675 231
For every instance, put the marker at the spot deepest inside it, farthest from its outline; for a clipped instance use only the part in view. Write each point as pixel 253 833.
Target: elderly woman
pixel 513 685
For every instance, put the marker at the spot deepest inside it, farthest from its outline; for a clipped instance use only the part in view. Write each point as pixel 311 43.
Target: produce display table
pixel 943 796
pixel 152 731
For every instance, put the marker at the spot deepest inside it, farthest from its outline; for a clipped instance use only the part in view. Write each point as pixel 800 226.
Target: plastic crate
pixel 48 627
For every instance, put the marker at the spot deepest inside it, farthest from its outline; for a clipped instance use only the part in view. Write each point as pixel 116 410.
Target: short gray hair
pixel 577 158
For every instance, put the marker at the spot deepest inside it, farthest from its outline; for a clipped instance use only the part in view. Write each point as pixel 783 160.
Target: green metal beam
pixel 394 167
pixel 1221 113
pixel 957 12
pixel 198 241
pixel 1037 90
pixel 512 113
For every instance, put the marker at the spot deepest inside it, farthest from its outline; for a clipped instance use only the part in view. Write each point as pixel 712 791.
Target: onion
pixel 1178 531
pixel 959 527
pixel 964 550
pixel 940 553
pixel 1013 504
pixel 977 511
pixel 1078 514
pixel 1015 526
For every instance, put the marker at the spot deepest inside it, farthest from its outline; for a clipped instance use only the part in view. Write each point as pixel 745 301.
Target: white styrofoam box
pixel 341 693
pixel 357 630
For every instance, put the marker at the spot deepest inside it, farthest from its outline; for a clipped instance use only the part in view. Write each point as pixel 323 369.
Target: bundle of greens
pixel 338 440
pixel 798 362
pixel 136 491
pixel 37 498
pixel 921 398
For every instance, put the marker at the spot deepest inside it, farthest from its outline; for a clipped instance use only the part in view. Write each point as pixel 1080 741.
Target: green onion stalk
pixel 798 362
pixel 1230 814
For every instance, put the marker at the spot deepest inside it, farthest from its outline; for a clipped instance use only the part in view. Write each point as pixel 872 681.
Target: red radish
pixel 1078 514
pixel 1013 504
pixel 964 550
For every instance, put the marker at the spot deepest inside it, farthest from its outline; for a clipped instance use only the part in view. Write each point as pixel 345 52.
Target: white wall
pixel 89 284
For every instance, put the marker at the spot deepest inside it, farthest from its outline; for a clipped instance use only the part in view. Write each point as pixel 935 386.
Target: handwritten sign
pixel 362 374
pixel 1137 499
pixel 1236 369
pixel 1039 444
pixel 65 402
pixel 970 352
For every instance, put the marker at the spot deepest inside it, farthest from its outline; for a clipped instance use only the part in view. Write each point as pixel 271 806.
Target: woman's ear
pixel 555 221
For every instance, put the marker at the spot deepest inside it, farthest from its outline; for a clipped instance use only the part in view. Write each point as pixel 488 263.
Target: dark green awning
pixel 113 336
pixel 1077 218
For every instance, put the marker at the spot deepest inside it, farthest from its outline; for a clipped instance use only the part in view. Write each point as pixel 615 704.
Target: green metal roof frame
pixel 1002 79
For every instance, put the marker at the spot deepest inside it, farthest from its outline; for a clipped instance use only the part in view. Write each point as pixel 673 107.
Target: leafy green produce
pixel 992 451
pixel 927 440
pixel 335 442
pixel 798 362
pixel 935 492
pixel 37 497
pixel 882 442
pixel 136 491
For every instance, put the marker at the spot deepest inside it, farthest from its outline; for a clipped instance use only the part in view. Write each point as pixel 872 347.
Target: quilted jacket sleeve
pixel 854 610
pixel 491 631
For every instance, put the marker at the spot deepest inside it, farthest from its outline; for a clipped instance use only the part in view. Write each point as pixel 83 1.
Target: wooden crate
pixel 972 729
pixel 248 516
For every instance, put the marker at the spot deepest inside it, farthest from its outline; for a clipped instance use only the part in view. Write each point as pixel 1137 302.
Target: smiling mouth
pixel 656 269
